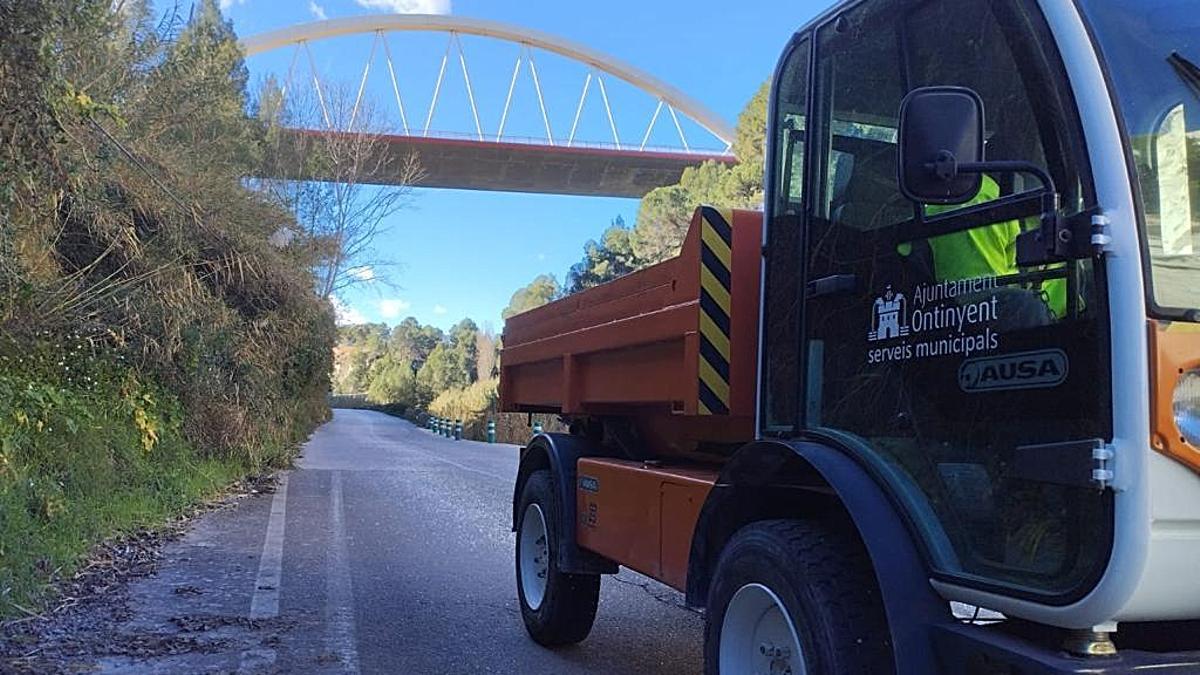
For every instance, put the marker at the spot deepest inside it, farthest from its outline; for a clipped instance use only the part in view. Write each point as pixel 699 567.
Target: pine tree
pixel 543 289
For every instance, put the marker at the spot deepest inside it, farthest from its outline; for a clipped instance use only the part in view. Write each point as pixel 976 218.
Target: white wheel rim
pixel 534 556
pixel 758 637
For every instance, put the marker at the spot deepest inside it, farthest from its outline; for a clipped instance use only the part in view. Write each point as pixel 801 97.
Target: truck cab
pixel 977 349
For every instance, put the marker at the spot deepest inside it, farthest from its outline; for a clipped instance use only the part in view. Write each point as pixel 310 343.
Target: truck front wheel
pixel 558 609
pixel 795 597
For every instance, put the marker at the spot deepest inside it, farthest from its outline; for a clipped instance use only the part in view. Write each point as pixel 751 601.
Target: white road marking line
pixel 264 603
pixel 340 636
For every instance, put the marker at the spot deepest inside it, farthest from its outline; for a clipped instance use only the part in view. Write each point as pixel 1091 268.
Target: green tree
pixel 359 347
pixel 665 213
pixel 462 341
pixel 410 341
pixel 196 98
pixel 388 364
pixel 445 369
pixel 374 334
pixel 393 381
pixel 540 291
pixel 608 259
pixel 745 179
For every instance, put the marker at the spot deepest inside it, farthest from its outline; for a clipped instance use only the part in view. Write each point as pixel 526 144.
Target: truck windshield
pixel 1152 48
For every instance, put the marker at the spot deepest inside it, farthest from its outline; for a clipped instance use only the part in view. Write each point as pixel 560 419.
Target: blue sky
pixel 460 253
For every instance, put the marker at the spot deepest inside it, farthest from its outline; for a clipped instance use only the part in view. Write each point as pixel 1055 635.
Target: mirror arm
pixel 1054 240
pixel 1016 167
pixel 947 166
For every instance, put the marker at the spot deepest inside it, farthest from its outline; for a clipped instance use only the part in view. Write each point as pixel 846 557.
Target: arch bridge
pixel 559 157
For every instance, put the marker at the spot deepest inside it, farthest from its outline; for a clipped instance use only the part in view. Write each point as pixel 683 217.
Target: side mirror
pixel 940 129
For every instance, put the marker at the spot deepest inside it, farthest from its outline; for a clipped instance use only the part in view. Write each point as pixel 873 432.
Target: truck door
pixel 974 388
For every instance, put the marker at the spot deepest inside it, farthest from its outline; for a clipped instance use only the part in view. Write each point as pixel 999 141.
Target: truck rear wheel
pixel 558 608
pixel 795 597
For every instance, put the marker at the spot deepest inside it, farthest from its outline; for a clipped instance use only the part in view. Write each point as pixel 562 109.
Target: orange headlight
pixel 1186 405
pixel 1175 390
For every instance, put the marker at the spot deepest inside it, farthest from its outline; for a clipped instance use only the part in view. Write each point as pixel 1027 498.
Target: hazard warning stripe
pixel 716 281
pixel 714 288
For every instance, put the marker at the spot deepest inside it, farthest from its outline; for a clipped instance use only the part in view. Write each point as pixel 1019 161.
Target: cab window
pixel 781 307
pixel 970 382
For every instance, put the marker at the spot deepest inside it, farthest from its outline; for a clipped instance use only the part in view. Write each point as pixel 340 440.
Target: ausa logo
pixel 1040 369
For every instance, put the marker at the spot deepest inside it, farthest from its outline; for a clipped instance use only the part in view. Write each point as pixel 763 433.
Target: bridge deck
pixel 509 167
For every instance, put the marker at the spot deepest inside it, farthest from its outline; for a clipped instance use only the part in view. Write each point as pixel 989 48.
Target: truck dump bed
pixel 673 346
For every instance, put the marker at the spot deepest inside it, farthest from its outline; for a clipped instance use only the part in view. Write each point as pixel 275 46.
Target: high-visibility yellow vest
pixel 987 251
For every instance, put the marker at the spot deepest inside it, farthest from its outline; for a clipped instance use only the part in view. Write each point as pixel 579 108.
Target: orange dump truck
pixel 953 366
pixel 656 370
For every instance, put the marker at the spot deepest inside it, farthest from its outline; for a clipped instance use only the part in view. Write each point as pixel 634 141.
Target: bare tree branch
pixel 343 213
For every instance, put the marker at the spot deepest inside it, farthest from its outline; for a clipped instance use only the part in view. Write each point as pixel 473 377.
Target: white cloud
pixel 407 6
pixel 364 273
pixel 390 308
pixel 226 4
pixel 344 314
pixel 317 11
pixel 438 309
pixel 541 256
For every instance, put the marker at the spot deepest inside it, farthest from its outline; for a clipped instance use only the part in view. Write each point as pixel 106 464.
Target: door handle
pixel 834 284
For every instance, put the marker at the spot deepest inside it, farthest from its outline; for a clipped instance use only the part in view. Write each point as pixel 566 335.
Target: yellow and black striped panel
pixel 716 283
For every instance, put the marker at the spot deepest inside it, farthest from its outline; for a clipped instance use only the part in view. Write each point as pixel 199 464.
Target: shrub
pixel 470 404
pixel 87 450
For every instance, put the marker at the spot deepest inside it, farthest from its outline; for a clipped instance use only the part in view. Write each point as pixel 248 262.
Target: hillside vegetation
pixel 412 367
pixel 154 344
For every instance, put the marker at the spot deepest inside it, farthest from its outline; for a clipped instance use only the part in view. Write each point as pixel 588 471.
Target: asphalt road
pixel 387 550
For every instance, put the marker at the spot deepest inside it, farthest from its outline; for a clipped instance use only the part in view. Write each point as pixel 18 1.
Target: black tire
pixel 821 574
pixel 568 606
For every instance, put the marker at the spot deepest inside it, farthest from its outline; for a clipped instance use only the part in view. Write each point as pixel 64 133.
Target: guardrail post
pixel 491 430
pixel 537 428
pixel 458 430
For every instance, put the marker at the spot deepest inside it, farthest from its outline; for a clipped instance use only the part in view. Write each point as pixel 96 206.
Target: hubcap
pixel 758 637
pixel 534 556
